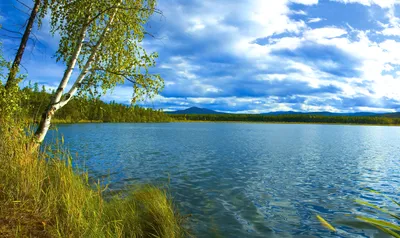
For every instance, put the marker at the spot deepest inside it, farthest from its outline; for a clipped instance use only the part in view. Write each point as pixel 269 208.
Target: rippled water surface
pixel 250 180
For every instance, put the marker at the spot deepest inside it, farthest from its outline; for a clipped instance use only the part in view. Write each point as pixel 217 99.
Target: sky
pixel 252 56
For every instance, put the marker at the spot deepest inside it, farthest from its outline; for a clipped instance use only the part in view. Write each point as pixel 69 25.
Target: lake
pixel 249 180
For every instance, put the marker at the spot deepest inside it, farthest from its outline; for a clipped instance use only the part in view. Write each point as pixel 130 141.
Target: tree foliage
pixel 10 100
pixel 111 52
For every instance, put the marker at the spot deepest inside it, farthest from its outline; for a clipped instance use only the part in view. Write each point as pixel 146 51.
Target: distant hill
pixel 395 114
pixel 195 110
pixel 204 111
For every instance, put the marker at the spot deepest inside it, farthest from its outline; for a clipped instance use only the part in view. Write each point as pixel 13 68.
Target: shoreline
pixel 61 122
pixel 266 122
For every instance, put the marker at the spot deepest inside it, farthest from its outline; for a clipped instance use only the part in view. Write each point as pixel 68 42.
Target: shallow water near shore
pixel 249 180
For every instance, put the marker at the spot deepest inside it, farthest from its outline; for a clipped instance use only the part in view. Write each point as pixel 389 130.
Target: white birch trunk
pixel 56 103
pixel 44 124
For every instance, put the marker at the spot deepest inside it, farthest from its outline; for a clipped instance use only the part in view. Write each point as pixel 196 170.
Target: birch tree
pixel 103 39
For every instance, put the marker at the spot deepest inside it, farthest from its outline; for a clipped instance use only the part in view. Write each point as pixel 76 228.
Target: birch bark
pixel 57 101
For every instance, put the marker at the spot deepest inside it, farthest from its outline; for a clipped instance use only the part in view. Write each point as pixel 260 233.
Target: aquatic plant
pixel 390 226
pixel 325 223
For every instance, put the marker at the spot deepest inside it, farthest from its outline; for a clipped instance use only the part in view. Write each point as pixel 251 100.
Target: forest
pixel 86 108
pixel 289 119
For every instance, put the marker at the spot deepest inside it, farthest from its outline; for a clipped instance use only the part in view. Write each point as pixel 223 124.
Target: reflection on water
pixel 249 180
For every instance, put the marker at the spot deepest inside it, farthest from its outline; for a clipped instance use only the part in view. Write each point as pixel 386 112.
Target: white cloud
pixel 376 110
pixel 182 67
pixel 381 3
pixel 270 18
pixel 374 60
pixel 393 27
pixel 197 25
pixel 315 20
pixel 324 33
pixel 391 31
pixel 301 12
pixel 305 2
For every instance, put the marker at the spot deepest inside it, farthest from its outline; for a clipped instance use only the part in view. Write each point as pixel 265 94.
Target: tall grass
pixel 41 195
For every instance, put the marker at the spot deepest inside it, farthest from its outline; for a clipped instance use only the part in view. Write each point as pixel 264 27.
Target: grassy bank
pixel 42 196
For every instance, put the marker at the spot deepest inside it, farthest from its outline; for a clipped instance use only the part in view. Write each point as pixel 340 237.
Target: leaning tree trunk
pixel 54 105
pixel 12 76
pixel 56 102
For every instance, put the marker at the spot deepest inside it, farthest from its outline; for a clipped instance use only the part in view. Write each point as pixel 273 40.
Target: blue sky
pixel 254 56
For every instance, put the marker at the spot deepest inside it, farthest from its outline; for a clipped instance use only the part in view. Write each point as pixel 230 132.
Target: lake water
pixel 250 180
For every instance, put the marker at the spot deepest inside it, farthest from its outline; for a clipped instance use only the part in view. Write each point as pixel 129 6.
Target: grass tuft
pixel 43 196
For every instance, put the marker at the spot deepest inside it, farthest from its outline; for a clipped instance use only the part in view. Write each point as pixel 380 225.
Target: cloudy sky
pixel 255 56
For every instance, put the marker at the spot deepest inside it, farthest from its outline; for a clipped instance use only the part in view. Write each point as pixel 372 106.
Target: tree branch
pixel 124 8
pixel 24 4
pixel 125 75
pixel 11 31
pixel 21 11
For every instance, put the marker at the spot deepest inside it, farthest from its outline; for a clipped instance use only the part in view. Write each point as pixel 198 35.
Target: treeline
pixel 90 109
pixel 289 119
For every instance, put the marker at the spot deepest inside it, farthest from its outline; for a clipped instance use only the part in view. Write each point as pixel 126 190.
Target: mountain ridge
pixel 198 110
pixel 195 110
